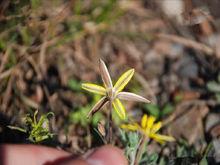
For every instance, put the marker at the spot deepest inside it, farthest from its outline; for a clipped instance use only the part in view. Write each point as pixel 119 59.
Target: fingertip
pixel 107 155
pixel 29 154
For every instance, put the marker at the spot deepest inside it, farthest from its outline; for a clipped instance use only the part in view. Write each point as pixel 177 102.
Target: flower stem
pixel 110 123
pixel 143 141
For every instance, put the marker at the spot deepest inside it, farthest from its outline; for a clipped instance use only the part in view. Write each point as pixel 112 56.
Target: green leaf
pixel 133 138
pixel 122 135
pixel 96 118
pixel 152 160
pixel 218 97
pixel 11 60
pixel 35 4
pixel 152 109
pixel 78 7
pixel 74 85
pixel 213 86
pixel 37 130
pixel 26 36
pixel 219 77
pixel 3 44
pixel 178 98
pixel 203 161
pixel 131 141
pixel 184 149
pixel 162 161
pixel 80 116
pixel 167 109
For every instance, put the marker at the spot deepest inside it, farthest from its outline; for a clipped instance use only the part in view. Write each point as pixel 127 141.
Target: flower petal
pixel 123 80
pixel 98 106
pixel 131 97
pixel 131 127
pixel 150 122
pixel 144 121
pixel 119 108
pixel 105 75
pixel 94 88
pixel 162 138
pixel 156 127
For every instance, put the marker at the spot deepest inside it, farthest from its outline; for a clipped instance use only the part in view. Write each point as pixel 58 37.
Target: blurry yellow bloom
pixel 149 129
pixel 112 94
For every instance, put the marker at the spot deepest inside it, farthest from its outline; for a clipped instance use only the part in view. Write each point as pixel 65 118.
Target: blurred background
pixel 48 48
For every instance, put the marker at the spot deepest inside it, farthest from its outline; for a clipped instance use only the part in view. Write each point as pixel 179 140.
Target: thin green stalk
pixel 143 141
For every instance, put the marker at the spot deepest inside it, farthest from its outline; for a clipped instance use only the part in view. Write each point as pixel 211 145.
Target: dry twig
pixel 187 42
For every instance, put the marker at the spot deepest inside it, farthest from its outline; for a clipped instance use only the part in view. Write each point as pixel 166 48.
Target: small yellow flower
pixel 149 129
pixel 112 94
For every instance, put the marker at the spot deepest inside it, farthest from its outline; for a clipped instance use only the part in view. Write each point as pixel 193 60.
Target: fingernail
pixel 95 162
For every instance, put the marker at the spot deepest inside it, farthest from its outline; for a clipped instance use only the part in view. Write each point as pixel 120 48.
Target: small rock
pixel 189 124
pixel 212 120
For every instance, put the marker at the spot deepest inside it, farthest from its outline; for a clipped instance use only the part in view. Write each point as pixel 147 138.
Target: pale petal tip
pixel 172 139
pixel 83 85
pixel 101 61
pixel 132 70
pixel 147 101
pixel 89 115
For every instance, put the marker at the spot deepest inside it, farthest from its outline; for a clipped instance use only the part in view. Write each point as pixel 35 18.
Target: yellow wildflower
pixel 149 129
pixel 112 94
